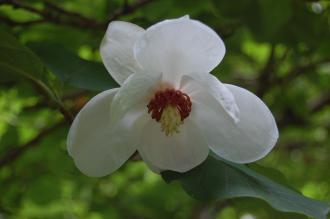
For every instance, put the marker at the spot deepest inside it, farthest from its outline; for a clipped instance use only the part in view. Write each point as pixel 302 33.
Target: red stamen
pixel 170 97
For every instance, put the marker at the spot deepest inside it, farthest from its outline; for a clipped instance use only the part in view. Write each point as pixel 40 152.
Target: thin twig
pixel 66 113
pixel 266 73
pixel 127 9
pixel 46 94
pixel 52 13
pixel 51 6
pixel 11 22
pixel 289 117
pixel 21 5
pixel 320 103
pixel 16 152
pixel 300 70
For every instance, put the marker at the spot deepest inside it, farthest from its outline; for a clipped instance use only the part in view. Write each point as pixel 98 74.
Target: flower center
pixel 169 107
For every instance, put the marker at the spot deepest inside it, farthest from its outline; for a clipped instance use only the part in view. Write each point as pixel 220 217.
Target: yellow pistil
pixel 170 120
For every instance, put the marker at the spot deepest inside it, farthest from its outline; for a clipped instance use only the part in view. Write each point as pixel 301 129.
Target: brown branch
pixel 200 210
pixel 265 82
pixel 320 103
pixel 127 9
pixel 292 145
pixel 44 92
pixel 66 113
pixel 227 30
pixel 19 4
pixel 16 152
pixel 51 6
pixel 208 210
pixel 265 75
pixel 44 103
pixel 289 117
pixel 52 13
pixel 299 70
pixel 11 22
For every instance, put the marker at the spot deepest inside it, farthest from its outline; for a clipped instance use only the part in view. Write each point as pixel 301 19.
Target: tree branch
pixel 16 152
pixel 265 75
pixel 127 9
pixel 43 91
pixel 50 6
pixel 320 103
pixel 299 70
pixel 52 13
pixel 19 4
pixel 207 210
pixel 11 22
pixel 289 117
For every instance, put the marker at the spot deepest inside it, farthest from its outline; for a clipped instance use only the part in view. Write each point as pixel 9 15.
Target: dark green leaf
pixel 73 70
pixel 271 173
pixel 17 61
pixel 272 20
pixel 263 23
pixel 219 179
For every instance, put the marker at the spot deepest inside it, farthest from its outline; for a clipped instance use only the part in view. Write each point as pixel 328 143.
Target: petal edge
pixel 97 147
pixel 116 49
pixel 250 139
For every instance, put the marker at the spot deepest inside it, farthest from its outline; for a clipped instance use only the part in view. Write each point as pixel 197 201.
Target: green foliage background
pixel 277 49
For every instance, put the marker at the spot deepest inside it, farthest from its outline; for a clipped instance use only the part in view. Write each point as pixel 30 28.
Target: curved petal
pixel 246 141
pixel 138 127
pixel 179 46
pixel 180 152
pixel 195 84
pixel 136 90
pixel 97 147
pixel 117 49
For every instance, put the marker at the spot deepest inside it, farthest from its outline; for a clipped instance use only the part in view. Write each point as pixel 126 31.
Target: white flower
pixel 169 107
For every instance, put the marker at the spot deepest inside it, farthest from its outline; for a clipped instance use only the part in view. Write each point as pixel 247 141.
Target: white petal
pixel 138 127
pixel 136 90
pixel 179 152
pixel 179 46
pixel 117 49
pixel 194 84
pixel 246 141
pixel 97 147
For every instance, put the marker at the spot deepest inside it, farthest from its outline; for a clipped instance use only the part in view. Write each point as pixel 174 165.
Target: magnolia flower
pixel 169 107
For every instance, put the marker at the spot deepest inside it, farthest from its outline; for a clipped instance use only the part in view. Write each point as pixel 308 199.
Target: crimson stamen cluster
pixel 170 97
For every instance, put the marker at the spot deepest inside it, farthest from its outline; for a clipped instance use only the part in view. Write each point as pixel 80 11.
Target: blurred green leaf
pixel 272 21
pixel 73 70
pixel 43 190
pixel 17 61
pixel 220 179
pixel 265 24
pixel 11 137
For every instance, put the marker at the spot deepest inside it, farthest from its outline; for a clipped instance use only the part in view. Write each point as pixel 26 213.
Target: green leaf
pixel 17 61
pixel 271 20
pixel 45 186
pixel 270 173
pixel 264 18
pixel 217 179
pixel 73 70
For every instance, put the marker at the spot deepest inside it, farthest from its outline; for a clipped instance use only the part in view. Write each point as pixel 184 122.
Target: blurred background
pixel 280 50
